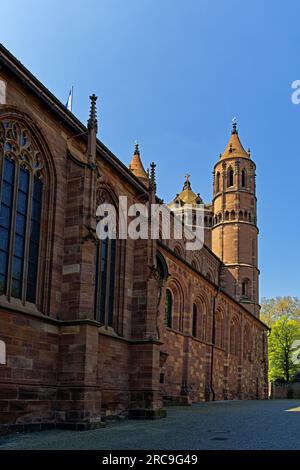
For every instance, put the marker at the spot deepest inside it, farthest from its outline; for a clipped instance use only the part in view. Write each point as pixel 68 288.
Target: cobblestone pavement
pixel 219 425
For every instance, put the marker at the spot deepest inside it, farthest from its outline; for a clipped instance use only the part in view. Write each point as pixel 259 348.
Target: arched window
pixel 105 281
pixel 218 182
pixel 21 194
pixel 203 320
pixel 195 320
pixel 243 178
pixel 230 177
pixel 232 215
pixel 168 309
pixel 245 289
pixel 226 215
pixel 219 335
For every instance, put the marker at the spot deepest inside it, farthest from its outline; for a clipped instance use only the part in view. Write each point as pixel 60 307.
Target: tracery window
pixel 105 281
pixel 21 193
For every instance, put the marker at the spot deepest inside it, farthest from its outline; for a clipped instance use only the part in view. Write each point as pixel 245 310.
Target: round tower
pixel 234 231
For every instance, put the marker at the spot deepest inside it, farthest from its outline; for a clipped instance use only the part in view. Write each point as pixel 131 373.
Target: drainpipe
pixel 214 333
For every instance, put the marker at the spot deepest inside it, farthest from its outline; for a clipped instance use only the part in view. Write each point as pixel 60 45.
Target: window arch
pixel 201 317
pixel 21 195
pixel 230 176
pixel 219 334
pixel 232 215
pixel 174 311
pixel 195 321
pixel 243 178
pixel 168 309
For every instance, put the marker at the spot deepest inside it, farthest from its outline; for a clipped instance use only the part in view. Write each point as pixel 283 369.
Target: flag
pixel 69 103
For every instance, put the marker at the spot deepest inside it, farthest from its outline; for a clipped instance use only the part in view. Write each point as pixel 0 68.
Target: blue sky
pixel 172 74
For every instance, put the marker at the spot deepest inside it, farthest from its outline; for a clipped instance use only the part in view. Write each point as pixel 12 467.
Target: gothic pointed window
pixel 230 175
pixel 105 281
pixel 243 178
pixel 21 194
pixel 168 309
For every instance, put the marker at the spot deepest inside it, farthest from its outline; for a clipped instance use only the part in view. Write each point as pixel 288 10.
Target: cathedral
pixel 96 329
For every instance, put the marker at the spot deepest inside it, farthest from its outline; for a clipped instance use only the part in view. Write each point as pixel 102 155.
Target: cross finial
pixel 136 148
pixel 234 126
pixel 187 183
pixel 92 122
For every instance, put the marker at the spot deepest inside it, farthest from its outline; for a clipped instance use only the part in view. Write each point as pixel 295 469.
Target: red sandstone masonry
pixel 63 368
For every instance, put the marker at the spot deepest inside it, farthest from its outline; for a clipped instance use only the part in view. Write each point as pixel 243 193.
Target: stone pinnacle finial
pixel 92 122
pixel 234 126
pixel 152 184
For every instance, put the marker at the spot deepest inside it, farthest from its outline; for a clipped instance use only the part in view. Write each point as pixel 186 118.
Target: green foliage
pixel 281 348
pixel 273 309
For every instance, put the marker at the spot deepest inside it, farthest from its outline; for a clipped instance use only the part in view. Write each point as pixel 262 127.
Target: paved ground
pixel 220 425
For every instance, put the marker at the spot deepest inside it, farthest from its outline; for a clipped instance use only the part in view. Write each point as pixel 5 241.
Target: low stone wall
pixel 285 391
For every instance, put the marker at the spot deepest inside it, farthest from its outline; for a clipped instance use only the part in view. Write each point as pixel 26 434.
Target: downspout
pixel 214 333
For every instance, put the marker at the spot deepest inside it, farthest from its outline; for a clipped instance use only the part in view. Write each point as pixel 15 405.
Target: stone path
pixel 220 425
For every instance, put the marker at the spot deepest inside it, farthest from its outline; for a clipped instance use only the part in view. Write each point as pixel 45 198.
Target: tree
pixel 281 348
pixel 273 309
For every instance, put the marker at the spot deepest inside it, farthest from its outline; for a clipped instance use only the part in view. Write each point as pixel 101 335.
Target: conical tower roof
pixel 234 147
pixel 137 168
